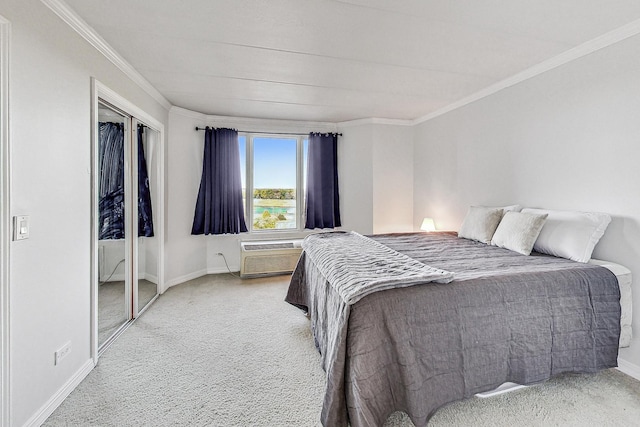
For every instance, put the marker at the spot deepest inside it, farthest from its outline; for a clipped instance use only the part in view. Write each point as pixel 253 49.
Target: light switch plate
pixel 20 227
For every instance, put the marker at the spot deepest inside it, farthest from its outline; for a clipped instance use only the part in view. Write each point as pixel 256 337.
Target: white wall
pixel 355 168
pixel 111 267
pixel 566 139
pixel 376 176
pixel 186 255
pixel 392 178
pixel 50 98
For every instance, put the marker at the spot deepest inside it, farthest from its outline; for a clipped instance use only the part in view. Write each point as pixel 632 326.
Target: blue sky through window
pixel 274 161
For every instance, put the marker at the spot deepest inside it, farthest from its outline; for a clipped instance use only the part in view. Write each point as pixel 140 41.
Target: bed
pixel 503 317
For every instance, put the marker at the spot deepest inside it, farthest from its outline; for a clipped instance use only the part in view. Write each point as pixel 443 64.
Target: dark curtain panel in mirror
pixel 111 185
pixel 145 215
pixel 111 193
pixel 219 209
pixel 322 198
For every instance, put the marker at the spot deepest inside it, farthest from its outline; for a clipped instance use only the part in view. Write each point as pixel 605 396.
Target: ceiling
pixel 340 60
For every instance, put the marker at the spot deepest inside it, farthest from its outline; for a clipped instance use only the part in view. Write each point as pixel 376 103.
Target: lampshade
pixel 428 225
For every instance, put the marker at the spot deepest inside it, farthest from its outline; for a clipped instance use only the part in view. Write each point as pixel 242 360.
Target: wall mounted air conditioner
pixel 263 258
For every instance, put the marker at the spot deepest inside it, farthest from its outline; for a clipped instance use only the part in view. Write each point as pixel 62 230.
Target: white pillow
pixel 480 223
pixel 512 208
pixel 569 234
pixel 518 231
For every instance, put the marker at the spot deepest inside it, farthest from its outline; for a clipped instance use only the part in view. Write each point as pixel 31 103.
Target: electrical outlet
pixel 62 353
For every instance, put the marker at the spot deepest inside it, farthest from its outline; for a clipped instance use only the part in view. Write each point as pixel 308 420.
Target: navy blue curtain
pixel 111 185
pixel 323 200
pixel 219 209
pixel 145 214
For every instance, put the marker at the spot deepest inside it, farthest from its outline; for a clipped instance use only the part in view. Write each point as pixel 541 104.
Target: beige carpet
pixel 220 351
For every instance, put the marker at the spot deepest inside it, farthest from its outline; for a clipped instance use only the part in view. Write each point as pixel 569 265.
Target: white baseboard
pixel 629 369
pixel 182 279
pixel 222 270
pixel 195 275
pixel 119 277
pixel 149 277
pixel 47 409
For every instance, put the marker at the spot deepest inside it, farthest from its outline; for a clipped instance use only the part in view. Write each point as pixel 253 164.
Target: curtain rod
pixel 273 133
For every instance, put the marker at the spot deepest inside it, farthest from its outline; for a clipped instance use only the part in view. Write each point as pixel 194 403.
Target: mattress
pixel 624 281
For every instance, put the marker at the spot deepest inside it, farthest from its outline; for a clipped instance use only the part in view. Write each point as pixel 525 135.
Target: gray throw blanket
pixel 357 266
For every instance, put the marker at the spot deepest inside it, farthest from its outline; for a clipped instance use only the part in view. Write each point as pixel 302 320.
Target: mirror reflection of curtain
pixel 111 187
pixel 145 215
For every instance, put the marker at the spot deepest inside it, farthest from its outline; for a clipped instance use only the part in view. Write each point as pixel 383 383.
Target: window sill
pixel 284 235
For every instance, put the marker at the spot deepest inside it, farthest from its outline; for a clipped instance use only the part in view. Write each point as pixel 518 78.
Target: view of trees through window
pixel 273 180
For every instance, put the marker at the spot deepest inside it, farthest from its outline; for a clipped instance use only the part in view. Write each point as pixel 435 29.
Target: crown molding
pixel 187 113
pixel 375 121
pixel 69 16
pixel 605 40
pixel 266 125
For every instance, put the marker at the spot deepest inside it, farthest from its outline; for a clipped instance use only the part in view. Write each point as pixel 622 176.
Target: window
pixel 273 180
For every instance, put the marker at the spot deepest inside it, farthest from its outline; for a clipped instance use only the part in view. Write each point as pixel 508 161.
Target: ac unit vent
pixel 256 247
pixel 268 258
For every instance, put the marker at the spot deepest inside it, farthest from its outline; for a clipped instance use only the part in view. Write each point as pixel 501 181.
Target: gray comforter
pixel 505 317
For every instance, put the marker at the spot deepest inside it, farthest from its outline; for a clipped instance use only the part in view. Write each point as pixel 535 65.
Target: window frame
pixel 300 180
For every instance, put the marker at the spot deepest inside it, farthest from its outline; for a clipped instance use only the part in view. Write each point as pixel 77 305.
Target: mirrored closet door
pixel 127 247
pixel 146 154
pixel 114 257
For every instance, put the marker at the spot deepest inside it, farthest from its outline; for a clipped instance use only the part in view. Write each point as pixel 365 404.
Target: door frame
pixel 5 229
pixel 99 91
